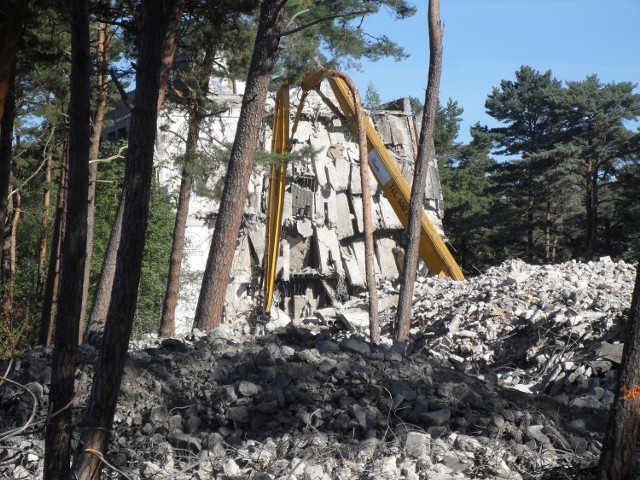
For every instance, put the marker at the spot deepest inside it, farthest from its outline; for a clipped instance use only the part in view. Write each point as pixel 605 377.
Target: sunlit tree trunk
pixel 102 47
pixel 425 153
pixel 619 444
pixel 370 271
pixel 196 115
pixel 210 306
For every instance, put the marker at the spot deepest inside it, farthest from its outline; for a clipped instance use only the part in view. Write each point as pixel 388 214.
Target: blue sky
pixel 486 41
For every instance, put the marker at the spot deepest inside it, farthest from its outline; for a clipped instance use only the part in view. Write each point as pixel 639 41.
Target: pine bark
pixel 425 153
pixel 196 115
pixel 50 297
pixel 60 427
pixel 619 445
pixel 44 220
pixel 138 175
pixel 369 252
pixel 591 204
pixel 168 318
pixel 102 52
pixel 210 306
pixel 6 149
pixel 104 287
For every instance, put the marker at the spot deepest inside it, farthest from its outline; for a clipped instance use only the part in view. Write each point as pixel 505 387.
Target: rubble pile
pixel 509 376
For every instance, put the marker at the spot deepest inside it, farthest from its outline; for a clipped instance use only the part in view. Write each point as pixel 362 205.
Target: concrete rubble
pixel 321 259
pixel 509 375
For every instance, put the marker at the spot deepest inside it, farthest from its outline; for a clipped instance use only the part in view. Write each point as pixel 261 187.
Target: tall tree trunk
pixel 10 34
pixel 425 153
pixel 169 48
pixel 44 220
pixel 369 253
pixel 619 445
pixel 214 283
pixel 6 152
pixel 547 231
pixel 50 297
pixel 102 47
pixel 167 320
pixel 591 205
pixel 531 203
pixel 138 175
pixel 102 296
pixel 60 427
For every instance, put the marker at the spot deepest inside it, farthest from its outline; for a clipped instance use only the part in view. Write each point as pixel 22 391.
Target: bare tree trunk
pixel 169 48
pixel 591 205
pixel 60 427
pixel 50 297
pixel 102 54
pixel 168 318
pixel 216 276
pixel 138 176
pixel 531 203
pixel 102 296
pixel 6 151
pixel 44 221
pixel 425 153
pixel 619 445
pixel 369 252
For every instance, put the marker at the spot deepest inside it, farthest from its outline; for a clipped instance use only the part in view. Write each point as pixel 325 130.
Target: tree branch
pixel 326 19
pixel 123 94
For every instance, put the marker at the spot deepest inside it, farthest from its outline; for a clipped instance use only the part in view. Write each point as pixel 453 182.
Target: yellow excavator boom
pixel 433 250
pixel 277 181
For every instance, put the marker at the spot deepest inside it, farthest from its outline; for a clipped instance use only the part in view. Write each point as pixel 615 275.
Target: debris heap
pixel 510 376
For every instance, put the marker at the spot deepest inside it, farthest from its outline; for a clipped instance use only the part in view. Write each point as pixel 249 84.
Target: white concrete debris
pixel 322 224
pixel 312 399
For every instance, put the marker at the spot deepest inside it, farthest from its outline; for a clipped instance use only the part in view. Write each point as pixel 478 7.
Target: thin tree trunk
pixel 6 152
pixel 169 48
pixel 60 427
pixel 50 297
pixel 216 276
pixel 531 203
pixel 138 176
pixel 102 296
pixel 547 232
pixel 44 221
pixel 425 153
pixel 619 445
pixel 104 39
pixel 591 205
pixel 167 320
pixel 370 272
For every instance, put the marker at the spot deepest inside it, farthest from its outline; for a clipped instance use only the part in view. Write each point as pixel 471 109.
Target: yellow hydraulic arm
pixel 280 144
pixel 433 251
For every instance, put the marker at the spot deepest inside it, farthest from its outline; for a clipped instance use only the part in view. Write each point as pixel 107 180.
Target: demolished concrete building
pixel 321 257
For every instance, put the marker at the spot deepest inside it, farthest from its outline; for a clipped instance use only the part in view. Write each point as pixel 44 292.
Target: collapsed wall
pixel 321 256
